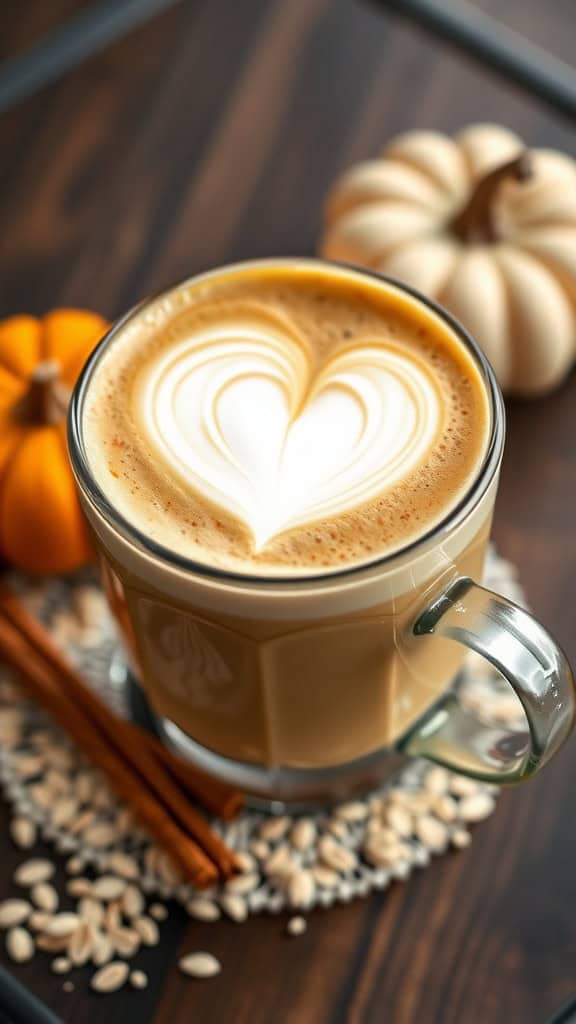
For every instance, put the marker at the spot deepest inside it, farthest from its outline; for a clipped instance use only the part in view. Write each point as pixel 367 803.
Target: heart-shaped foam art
pixel 243 416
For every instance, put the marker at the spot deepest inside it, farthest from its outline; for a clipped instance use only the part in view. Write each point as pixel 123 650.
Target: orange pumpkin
pixel 41 526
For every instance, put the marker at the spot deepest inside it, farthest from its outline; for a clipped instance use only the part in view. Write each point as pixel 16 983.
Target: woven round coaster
pixel 296 861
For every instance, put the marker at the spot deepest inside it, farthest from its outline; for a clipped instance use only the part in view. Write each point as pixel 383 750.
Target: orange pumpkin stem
pixel 46 401
pixel 478 220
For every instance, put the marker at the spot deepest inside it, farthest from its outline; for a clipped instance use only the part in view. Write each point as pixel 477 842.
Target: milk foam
pixel 239 414
pixel 284 418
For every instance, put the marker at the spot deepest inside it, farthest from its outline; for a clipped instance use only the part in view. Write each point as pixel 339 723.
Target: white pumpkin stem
pixel 478 221
pixel 46 401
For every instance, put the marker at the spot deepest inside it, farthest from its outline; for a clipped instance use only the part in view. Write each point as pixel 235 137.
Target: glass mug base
pixel 272 788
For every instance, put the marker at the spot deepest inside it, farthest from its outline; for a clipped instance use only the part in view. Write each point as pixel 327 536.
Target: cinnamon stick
pixel 38 681
pixel 216 797
pixel 56 684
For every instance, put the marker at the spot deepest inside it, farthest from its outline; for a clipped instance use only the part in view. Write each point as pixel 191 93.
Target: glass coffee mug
pixel 311 688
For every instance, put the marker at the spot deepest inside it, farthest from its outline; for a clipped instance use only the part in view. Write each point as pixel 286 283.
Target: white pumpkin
pixel 480 224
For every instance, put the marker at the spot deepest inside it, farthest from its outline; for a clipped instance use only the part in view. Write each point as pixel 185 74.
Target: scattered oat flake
pixel 338 828
pixel 477 807
pixel 61 965
pixel 147 929
pixel 352 812
pixel 461 785
pixel 200 965
pixel 124 865
pixel 102 949
pixel 100 835
pixel 461 839
pixel 202 909
pixel 52 943
pixel 445 808
pixel 44 896
pixel 336 856
pixel 28 766
pixel 325 877
pixel 13 912
pixel 275 828
pixel 112 918
pixel 108 887
pixel 41 795
pixel 125 940
pixel 79 887
pixel 63 811
pixel 242 884
pixel 158 911
pixel 19 945
pixel 279 862
pixel 30 872
pixel 61 925
pixel 38 920
pixel 436 780
pixel 80 945
pixel 23 832
pixel 296 926
pixel 259 849
pixel 168 870
pixel 111 977
pixel 400 820
pixel 234 907
pixel 303 834
pixel 91 910
pixel 246 862
pixel 300 889
pixel 138 979
pixel 431 832
pixel 132 901
pixel 81 821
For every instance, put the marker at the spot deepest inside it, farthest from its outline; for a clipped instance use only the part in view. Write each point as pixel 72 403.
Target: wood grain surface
pixel 209 135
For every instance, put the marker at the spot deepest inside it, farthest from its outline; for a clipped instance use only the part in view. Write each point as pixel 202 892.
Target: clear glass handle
pixel 531 661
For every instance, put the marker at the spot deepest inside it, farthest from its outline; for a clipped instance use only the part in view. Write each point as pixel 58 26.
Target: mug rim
pixel 94 493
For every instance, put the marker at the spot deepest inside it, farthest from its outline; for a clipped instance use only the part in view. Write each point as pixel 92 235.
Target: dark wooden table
pixel 212 134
